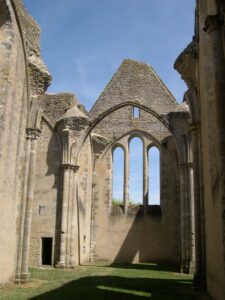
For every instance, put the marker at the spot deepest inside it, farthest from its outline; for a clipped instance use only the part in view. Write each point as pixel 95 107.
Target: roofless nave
pixel 56 160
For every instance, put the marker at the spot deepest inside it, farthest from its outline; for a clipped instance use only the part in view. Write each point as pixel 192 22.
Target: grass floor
pixel 98 282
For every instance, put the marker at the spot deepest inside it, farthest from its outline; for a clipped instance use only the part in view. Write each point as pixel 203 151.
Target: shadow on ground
pixel 140 266
pixel 147 266
pixel 116 287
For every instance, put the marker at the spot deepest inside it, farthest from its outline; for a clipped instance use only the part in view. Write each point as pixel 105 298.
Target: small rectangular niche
pixel 46 251
pixel 136 112
pixel 41 210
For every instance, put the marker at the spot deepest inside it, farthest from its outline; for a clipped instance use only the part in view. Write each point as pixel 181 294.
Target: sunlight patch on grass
pixel 131 292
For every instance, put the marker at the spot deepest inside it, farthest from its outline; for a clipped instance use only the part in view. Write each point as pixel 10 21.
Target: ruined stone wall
pixel 13 118
pixel 135 236
pixel 211 134
pixel 134 82
pixel 133 233
pixel 47 205
pixel 121 121
pixel 202 66
pixel 30 28
pixel 55 105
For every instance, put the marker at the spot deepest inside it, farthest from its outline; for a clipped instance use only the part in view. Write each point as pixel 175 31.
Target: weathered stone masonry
pixel 56 160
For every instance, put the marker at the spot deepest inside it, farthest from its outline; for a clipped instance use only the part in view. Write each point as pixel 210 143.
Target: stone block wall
pixel 13 118
pixel 212 133
pixel 135 236
pixel 134 233
pixel 47 200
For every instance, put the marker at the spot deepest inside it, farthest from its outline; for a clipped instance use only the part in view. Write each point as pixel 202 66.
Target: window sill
pixel 136 210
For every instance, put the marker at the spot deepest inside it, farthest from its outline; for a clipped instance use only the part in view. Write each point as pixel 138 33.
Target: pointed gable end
pixel 135 82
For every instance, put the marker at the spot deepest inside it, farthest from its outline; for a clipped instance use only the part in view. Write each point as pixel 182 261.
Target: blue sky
pixel 84 41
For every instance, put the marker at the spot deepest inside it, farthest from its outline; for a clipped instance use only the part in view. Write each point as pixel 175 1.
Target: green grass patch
pixel 99 282
pixel 117 202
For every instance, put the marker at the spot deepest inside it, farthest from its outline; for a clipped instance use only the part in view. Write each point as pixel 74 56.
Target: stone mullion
pixel 145 176
pixel 32 136
pixel 126 177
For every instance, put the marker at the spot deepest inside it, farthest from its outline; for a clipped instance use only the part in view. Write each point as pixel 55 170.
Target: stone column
pixel 74 235
pixel 63 232
pixel 68 218
pixel 187 218
pixel 92 236
pixel 183 227
pixel 200 259
pixel 72 129
pixel 191 217
pixel 22 214
pixel 126 177
pixel 145 176
pixel 32 136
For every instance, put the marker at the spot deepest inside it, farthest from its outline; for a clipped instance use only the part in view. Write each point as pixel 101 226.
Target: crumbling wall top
pixel 30 28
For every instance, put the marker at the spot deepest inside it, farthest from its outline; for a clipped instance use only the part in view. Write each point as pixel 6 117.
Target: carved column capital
pixel 73 168
pixel 32 134
pixel 194 127
pixel 185 165
pixel 212 23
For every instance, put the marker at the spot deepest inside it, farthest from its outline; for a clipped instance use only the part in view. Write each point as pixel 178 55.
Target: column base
pixel 65 265
pixel 60 265
pixel 22 278
pixel 185 267
pixel 199 282
pixel 192 267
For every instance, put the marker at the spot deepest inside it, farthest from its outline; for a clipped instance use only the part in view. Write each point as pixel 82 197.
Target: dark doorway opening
pixel 46 251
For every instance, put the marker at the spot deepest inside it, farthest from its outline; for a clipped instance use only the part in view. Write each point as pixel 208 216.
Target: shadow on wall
pixel 54 159
pixel 143 243
pixel 53 163
pixel 116 287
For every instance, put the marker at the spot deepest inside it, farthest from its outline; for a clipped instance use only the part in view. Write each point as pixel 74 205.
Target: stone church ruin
pixel 56 160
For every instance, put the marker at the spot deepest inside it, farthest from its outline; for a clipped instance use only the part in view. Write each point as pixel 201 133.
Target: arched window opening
pixel 154 176
pixel 136 112
pixel 118 176
pixel 136 171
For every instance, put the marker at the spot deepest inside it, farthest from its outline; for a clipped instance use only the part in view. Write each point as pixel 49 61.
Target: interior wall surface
pixel 134 235
pixel 210 151
pixel 47 204
pixel 13 118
